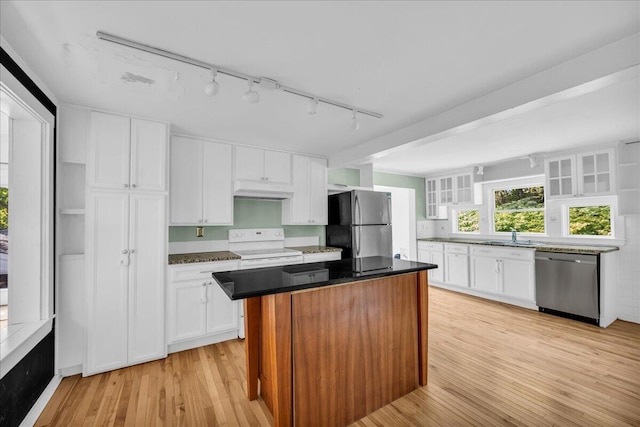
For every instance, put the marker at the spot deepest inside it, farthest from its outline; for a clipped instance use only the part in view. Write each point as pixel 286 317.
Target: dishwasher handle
pixel 578 261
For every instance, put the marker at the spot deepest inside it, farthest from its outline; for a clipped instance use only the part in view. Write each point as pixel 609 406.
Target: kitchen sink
pixel 512 243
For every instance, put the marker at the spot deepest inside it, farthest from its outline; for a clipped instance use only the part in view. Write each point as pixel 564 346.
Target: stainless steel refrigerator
pixel 360 224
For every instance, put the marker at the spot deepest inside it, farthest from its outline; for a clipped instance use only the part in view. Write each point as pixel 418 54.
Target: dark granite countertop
pixel 272 280
pixel 314 249
pixel 539 246
pixel 202 257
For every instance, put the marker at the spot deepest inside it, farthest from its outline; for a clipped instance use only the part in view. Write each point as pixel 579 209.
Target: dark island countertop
pixel 272 280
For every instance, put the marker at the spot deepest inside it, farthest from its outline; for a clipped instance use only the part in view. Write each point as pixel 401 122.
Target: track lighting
pixel 355 124
pixel 480 170
pixel 212 87
pixel 312 106
pixel 532 161
pixel 251 96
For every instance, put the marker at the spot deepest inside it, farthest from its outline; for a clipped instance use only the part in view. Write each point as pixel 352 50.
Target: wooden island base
pixel 329 356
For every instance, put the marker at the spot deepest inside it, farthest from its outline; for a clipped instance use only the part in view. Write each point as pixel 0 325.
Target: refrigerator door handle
pixel 357 210
pixel 358 237
pixel 389 210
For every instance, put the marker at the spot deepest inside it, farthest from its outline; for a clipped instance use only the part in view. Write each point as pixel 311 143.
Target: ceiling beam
pixel 611 64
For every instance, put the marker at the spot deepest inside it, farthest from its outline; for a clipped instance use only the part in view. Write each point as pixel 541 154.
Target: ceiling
pixel 406 60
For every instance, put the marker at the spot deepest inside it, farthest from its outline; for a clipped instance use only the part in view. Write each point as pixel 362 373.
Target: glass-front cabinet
pixel 583 174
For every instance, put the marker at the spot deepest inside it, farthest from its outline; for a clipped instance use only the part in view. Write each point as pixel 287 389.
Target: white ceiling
pixel 406 60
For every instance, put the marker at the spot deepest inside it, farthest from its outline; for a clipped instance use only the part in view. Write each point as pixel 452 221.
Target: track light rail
pixel 257 80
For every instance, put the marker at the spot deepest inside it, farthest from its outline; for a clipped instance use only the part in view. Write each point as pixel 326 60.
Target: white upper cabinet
pixel 201 182
pixel 308 205
pixel 595 173
pixel 256 164
pixel 127 153
pixel 584 174
pixel 629 178
pixel 560 174
pixel 451 190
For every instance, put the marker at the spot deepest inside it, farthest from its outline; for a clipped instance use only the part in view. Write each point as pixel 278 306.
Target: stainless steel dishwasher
pixel 568 285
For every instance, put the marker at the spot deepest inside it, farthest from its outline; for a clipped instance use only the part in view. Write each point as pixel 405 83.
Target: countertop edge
pixel 544 247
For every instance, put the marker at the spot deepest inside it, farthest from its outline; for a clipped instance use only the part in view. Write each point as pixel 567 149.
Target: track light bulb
pixel 212 87
pixel 312 106
pixel 355 124
pixel 533 162
pixel 250 96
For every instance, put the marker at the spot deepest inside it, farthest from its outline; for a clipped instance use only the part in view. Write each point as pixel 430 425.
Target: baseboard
pixel 70 370
pixel 199 342
pixel 490 297
pixel 41 403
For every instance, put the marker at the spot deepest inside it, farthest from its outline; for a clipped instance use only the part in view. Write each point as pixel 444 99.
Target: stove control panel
pixel 256 235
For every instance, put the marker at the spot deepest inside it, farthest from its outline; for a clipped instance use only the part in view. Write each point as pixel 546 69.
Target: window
pixel 589 218
pixel 520 209
pixel 467 221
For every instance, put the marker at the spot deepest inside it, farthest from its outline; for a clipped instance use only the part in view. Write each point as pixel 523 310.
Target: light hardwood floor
pixel 489 364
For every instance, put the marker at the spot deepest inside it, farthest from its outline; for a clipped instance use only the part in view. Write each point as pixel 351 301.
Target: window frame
pixel 455 224
pixel 535 181
pixel 610 201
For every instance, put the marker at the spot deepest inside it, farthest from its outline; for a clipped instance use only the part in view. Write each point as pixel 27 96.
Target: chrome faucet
pixel 514 235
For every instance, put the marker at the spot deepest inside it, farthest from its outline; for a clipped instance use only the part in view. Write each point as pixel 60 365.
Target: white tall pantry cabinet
pixel 126 235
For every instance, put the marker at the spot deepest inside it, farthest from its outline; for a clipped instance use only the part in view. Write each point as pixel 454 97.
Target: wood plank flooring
pixel 489 364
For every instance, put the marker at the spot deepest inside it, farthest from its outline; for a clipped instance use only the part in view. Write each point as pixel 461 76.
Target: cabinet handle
pixel 133 186
pixel 125 185
pixel 199 221
pixel 124 251
pixel 132 251
pixel 266 178
pixel 206 220
pixel 204 293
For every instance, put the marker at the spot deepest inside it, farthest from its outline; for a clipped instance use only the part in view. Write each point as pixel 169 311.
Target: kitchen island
pixel 329 343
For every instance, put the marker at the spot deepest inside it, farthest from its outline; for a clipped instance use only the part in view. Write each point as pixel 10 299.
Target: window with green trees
pixel 520 209
pixel 468 221
pixel 590 220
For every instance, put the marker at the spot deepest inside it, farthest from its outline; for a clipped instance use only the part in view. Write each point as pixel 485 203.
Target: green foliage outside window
pixel 590 221
pixel 4 208
pixel 520 209
pixel 469 221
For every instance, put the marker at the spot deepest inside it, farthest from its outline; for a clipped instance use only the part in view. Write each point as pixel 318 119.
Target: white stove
pixel 262 247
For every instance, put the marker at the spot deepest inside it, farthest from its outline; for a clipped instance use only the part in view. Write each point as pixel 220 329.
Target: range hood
pixel 261 190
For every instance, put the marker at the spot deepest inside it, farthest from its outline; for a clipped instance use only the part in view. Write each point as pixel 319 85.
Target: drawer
pixel 455 248
pixel 510 253
pixel 325 256
pixel 430 246
pixel 201 270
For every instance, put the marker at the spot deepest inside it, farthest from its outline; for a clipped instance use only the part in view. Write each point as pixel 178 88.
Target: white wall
pixel 628 290
pixel 403 220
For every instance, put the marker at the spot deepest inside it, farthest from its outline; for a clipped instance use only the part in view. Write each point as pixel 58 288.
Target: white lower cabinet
pixel 431 253
pixel 507 272
pixel 456 265
pixel 198 307
pixel 126 257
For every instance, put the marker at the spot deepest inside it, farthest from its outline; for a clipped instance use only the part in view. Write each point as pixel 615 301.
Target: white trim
pixel 610 201
pixel 70 370
pixel 41 403
pixel 19 344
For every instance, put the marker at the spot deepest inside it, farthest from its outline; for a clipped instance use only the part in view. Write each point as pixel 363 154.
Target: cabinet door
pixel 595 173
pixel 436 275
pixel 446 190
pixel 107 275
pixel 148 155
pixel 187 310
pixel 518 279
pixel 277 167
pixel 464 193
pixel 249 163
pixel 484 273
pixel 109 151
pixel 560 174
pixel 431 199
pixel 222 313
pixel 299 206
pixel 147 243
pixel 186 181
pixel 318 191
pixel 424 256
pixel 457 269
pixel 217 182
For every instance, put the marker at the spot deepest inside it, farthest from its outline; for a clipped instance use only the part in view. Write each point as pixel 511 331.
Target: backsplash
pixel 249 213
